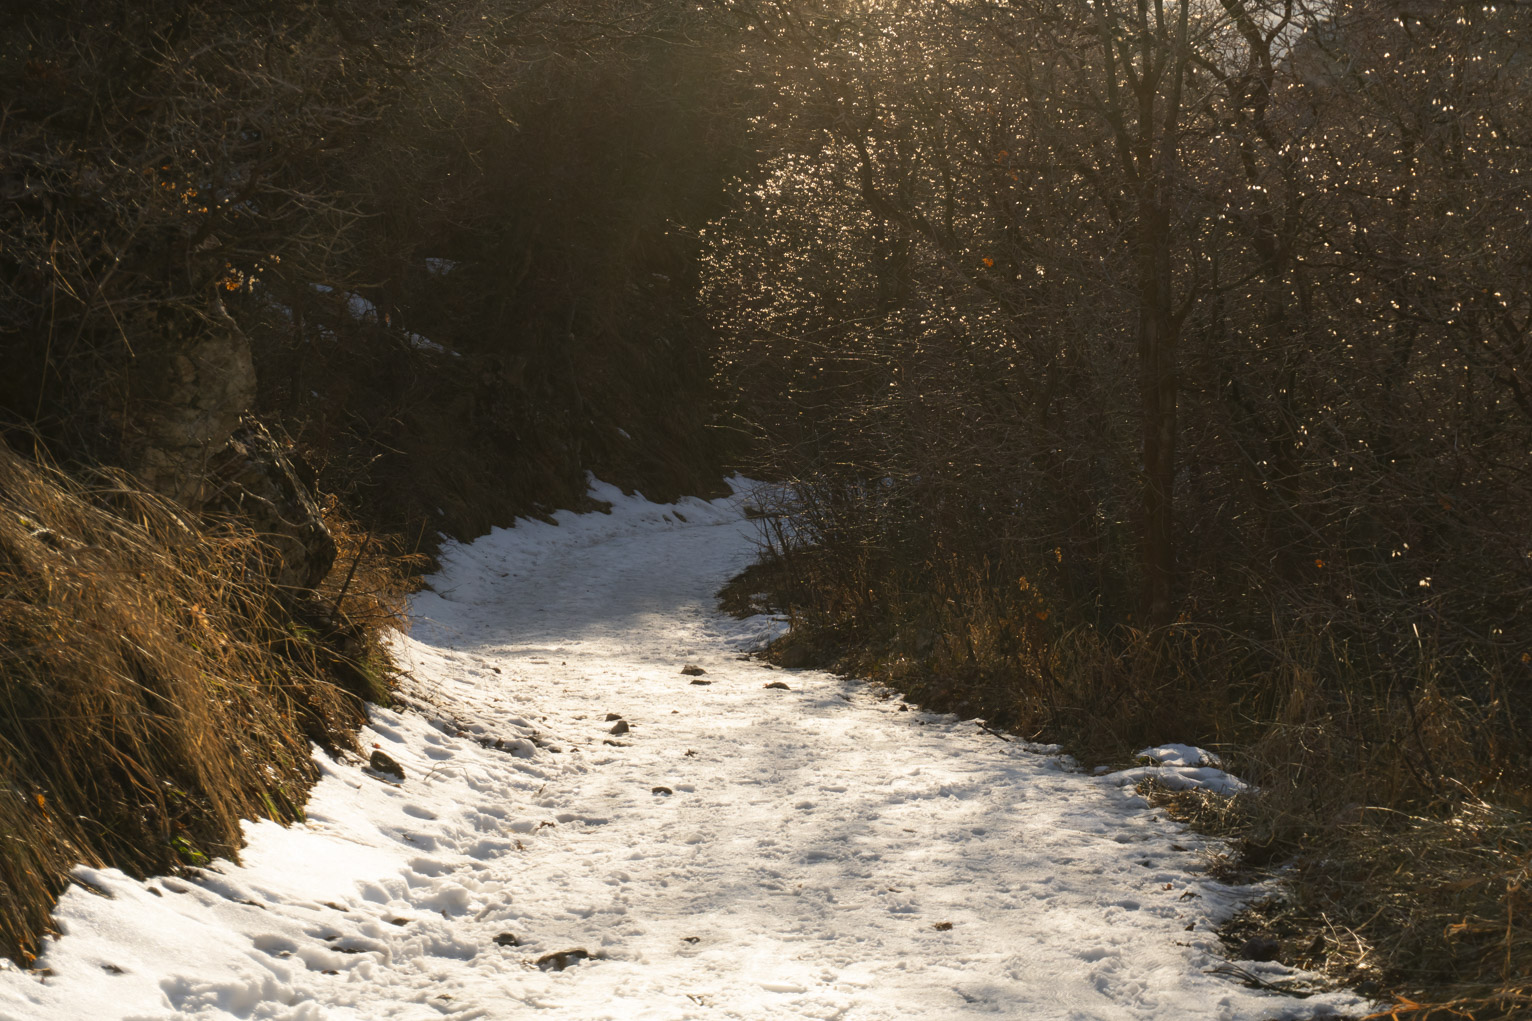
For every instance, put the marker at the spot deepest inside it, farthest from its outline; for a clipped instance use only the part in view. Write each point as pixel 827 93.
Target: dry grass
pixel 156 689
pixel 1423 895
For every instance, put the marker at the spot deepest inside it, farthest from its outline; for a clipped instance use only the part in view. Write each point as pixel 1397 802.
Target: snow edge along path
pixel 714 850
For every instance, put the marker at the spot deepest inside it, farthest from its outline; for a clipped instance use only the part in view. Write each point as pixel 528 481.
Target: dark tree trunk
pixel 1158 384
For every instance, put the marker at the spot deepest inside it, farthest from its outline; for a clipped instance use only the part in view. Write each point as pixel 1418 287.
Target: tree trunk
pixel 1158 383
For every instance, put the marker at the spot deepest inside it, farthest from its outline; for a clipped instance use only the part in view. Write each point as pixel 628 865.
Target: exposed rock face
pixel 188 401
pixel 191 439
pixel 260 484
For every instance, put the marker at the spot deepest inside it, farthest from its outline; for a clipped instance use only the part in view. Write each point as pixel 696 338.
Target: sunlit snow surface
pixel 811 843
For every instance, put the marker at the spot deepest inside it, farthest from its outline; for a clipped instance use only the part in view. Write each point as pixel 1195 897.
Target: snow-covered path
pixel 741 851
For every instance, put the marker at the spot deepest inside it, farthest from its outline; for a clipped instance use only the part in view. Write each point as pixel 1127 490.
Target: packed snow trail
pixel 734 851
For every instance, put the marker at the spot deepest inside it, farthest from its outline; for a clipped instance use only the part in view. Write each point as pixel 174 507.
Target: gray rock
pixel 693 670
pixel 188 398
pixel 620 727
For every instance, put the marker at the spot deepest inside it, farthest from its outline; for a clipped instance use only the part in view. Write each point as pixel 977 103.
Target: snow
pixel 362 310
pixel 1180 767
pixel 741 852
pixel 1180 755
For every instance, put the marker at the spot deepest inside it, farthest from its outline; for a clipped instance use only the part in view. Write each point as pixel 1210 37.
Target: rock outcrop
pixel 188 395
pixel 192 439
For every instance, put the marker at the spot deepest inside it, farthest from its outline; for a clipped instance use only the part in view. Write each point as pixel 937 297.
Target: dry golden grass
pixel 156 688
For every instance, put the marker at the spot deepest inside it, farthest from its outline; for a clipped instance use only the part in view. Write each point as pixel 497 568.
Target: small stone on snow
pixel 383 764
pixel 562 959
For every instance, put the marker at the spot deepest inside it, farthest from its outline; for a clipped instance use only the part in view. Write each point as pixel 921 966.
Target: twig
pixel 335 610
pixel 1289 987
pixel 990 730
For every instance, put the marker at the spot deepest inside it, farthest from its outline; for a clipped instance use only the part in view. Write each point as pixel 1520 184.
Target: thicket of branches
pixel 525 210
pixel 1156 370
pixel 501 180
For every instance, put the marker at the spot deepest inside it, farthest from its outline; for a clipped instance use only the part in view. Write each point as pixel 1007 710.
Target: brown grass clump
pixel 156 689
pixel 1411 859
